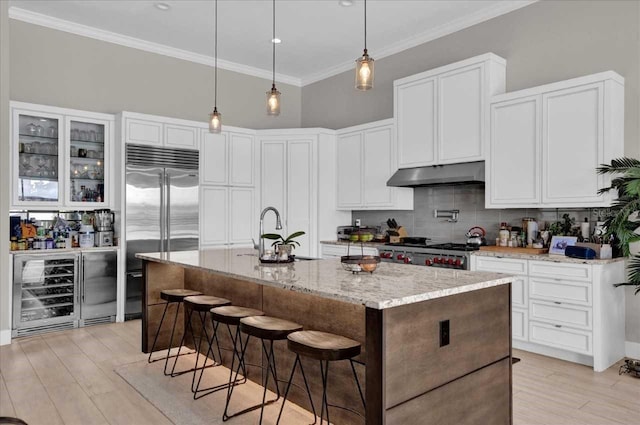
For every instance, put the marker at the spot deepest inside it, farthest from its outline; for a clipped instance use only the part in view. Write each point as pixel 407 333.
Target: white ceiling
pixel 319 37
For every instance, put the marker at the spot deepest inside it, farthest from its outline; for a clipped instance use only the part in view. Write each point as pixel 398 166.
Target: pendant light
pixel 364 64
pixel 273 95
pixel 215 117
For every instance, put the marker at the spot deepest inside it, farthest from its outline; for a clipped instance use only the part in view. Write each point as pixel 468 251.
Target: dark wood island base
pixel 445 360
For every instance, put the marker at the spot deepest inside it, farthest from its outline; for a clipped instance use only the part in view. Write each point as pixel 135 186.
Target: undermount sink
pixel 297 257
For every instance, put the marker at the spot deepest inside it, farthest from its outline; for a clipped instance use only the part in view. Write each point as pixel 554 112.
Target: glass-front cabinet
pixel 61 157
pixel 37 160
pixel 87 156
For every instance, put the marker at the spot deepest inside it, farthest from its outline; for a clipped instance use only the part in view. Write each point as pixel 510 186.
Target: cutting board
pixel 515 250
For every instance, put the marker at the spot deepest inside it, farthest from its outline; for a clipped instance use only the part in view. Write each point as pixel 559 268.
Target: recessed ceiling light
pixel 345 3
pixel 162 6
pixel 276 41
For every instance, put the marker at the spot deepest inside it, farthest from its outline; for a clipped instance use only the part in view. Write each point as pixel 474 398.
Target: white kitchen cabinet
pixel 366 159
pixel 228 158
pixel 228 216
pixel 298 178
pixel 161 132
pixel 441 115
pixel 513 165
pixel 572 311
pixel 61 157
pixel 214 213
pixel 228 187
pixel 334 250
pixel 546 143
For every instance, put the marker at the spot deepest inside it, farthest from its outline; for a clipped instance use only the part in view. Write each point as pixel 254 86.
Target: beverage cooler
pixel 62 291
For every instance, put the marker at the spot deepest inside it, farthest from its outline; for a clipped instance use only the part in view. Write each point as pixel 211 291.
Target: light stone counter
pixel 390 285
pixel 546 257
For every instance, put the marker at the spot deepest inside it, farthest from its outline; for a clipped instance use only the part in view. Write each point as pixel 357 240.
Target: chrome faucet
pixel 278 227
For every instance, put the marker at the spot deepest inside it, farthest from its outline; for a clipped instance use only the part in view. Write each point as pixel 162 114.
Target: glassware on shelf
pixel 39 130
pixel 52 131
pixel 92 136
pixel 74 151
pixel 100 137
pixel 84 135
pixel 35 147
pixel 75 134
pixel 31 129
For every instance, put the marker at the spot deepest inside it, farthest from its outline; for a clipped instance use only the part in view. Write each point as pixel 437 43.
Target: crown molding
pixel 147 46
pixel 500 8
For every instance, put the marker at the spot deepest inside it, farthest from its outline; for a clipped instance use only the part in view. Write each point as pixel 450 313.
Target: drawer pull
pixel 557 302
pixel 558 280
pixel 558 326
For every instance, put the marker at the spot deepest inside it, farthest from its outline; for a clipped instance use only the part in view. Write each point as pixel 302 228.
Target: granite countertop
pixel 389 286
pixel 63 250
pixel 546 257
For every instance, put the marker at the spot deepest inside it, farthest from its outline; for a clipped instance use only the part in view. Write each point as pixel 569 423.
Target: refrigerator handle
pixel 168 218
pixel 162 212
pixel 82 278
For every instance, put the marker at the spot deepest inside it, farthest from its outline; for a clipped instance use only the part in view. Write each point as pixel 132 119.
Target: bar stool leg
pixel 355 375
pixel 214 340
pixel 324 371
pixel 188 327
pixel 270 367
pixel 155 339
pixel 203 319
pixel 296 362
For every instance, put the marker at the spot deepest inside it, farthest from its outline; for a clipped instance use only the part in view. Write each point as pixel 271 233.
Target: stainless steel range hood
pixel 469 172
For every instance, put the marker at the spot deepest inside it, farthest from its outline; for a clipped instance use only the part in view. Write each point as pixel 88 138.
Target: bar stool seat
pixel 231 314
pixel 170 296
pixel 266 328
pixel 205 302
pixel 324 347
pixel 177 295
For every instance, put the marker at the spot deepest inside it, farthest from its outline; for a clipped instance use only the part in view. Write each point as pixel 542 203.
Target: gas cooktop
pixel 443 246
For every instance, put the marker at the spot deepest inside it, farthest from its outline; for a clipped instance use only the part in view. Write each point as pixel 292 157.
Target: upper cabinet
pixel 366 158
pixel 142 129
pixel 61 157
pixel 546 143
pixel 441 115
pixel 228 158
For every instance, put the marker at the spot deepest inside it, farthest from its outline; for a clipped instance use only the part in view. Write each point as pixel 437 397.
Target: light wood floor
pixel 68 378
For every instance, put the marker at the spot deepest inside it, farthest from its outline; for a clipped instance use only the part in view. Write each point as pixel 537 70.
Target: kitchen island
pixel 436 342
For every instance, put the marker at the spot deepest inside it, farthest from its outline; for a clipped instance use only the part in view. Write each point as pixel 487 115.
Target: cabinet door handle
pixel 558 326
pixel 557 302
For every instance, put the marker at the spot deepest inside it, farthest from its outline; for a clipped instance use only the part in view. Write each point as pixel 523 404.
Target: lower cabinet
pixel 566 310
pixel 334 250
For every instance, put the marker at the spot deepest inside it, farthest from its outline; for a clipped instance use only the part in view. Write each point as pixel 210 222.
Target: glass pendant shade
pixel 364 72
pixel 215 121
pixel 273 101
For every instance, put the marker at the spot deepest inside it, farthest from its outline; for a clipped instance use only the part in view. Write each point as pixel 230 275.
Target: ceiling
pixel 320 38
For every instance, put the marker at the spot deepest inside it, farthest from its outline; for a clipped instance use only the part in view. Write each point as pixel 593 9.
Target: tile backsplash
pixel 469 199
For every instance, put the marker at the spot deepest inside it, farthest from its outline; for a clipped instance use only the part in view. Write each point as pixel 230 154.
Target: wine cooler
pixel 45 293
pixel 63 291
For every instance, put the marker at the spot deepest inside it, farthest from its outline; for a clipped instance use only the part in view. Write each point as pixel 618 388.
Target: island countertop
pixel 390 285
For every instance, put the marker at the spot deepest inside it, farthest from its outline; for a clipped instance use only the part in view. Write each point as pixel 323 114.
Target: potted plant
pixel 283 245
pixel 624 212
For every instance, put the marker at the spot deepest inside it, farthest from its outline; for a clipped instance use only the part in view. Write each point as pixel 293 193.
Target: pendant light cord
pixel 274 44
pixel 365 25
pixel 215 92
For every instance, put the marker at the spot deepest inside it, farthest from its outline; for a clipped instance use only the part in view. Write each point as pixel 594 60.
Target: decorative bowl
pixel 360 263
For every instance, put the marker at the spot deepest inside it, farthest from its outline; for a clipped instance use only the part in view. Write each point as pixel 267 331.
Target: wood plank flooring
pixel 68 378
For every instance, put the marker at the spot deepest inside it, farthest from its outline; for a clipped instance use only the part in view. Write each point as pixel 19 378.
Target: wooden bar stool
pixel 229 315
pixel 325 347
pixel 265 328
pixel 170 296
pixel 201 304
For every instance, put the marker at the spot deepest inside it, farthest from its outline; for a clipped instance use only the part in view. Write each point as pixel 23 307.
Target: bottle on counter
pixel 503 234
pixel 584 229
pixel 14 243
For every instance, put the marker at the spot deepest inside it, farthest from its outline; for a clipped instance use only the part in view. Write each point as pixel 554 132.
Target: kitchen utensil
pixel 394 223
pixel 476 236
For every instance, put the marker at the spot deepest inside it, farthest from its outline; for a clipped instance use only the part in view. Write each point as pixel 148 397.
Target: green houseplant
pixel 281 243
pixel 626 181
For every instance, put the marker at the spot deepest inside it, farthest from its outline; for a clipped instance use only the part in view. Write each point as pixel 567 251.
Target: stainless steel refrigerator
pixel 161 210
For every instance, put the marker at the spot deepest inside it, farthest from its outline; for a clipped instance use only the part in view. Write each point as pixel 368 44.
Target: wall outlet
pixel 444 333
